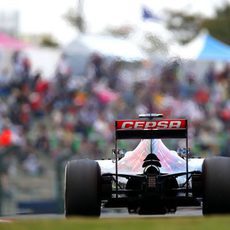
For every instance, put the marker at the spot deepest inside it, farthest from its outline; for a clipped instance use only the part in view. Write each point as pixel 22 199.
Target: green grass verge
pixel 175 223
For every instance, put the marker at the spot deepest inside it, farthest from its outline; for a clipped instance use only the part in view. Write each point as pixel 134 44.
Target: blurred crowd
pixel 116 90
pixel 78 113
pixel 73 116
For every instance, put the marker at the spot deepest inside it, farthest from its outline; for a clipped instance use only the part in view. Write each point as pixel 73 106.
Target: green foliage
pixel 121 31
pixel 153 44
pixel 75 19
pixel 185 27
pixel 220 24
pixel 48 41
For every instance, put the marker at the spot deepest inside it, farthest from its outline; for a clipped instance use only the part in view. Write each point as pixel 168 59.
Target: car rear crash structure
pixel 152 191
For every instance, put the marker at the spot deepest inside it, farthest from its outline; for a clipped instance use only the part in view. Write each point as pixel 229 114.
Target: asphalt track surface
pixel 120 213
pixel 115 213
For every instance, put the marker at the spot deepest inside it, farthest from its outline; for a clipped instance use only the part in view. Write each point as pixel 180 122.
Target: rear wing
pixel 151 129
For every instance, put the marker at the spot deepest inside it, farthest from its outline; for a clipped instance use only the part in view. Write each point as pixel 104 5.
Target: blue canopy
pixel 214 49
pixel 207 48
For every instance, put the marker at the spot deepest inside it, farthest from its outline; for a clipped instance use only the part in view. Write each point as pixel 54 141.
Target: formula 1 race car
pixel 151 179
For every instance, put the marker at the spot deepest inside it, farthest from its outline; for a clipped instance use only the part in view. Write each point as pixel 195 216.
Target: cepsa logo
pixel 149 125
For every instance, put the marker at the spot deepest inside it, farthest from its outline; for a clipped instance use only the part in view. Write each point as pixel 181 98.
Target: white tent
pixel 80 49
pixel 43 59
pixel 106 45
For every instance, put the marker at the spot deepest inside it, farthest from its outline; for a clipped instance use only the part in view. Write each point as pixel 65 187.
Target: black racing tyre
pixel 216 185
pixel 82 188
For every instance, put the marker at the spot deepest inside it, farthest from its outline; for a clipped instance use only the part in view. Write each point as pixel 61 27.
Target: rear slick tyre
pixel 82 188
pixel 216 185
